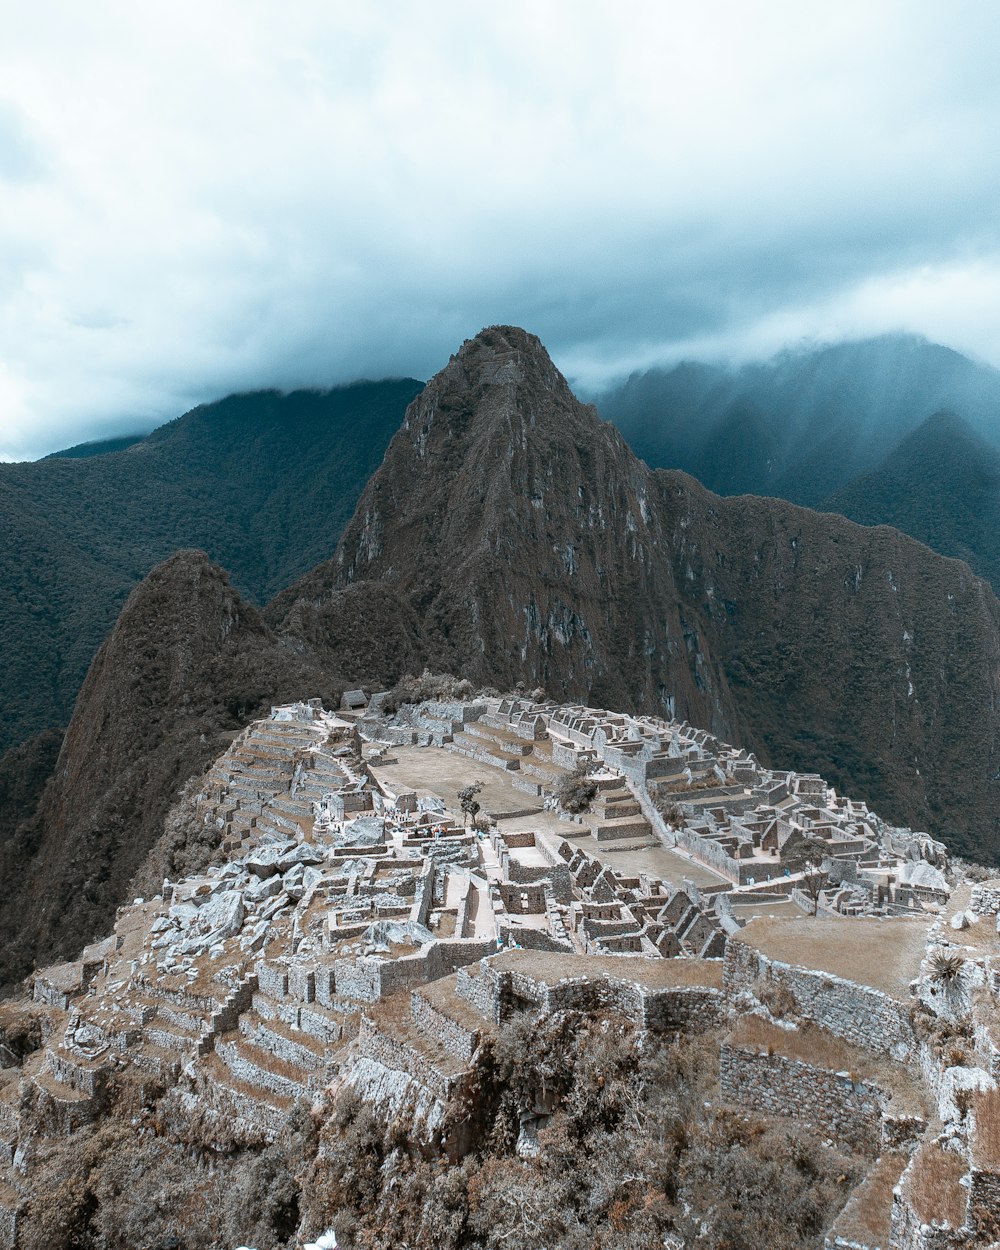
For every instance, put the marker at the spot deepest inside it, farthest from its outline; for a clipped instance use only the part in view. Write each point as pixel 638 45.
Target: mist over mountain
pixel 942 485
pixel 804 424
pixel 262 482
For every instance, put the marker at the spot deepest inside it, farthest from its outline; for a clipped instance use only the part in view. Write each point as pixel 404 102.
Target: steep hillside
pixel 530 543
pixel 186 665
pixel 942 485
pixel 516 527
pixel 804 424
pixel 263 482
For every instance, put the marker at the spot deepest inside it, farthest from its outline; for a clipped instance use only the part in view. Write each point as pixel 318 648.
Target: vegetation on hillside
pixel 630 1147
pixel 636 1148
pixel 264 483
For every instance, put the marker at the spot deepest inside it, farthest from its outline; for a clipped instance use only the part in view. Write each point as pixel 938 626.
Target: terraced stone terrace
pixel 885 954
pixel 354 931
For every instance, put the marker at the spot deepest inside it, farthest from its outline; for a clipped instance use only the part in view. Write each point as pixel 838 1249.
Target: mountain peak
pixel 498 357
pixel 946 427
pixel 497 434
pixel 944 448
pixel 494 341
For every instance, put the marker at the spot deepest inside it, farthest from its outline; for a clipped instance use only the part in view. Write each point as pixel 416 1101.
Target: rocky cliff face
pixel 529 543
pixel 526 539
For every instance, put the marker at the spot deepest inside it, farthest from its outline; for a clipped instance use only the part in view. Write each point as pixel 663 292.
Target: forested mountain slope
pixel 264 483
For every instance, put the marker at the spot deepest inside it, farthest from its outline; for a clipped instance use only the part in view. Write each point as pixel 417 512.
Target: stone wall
pixel 910 1233
pixel 476 990
pixel 708 852
pixel 8 1227
pixel 984 1205
pixel 685 1007
pixel 390 1053
pixel 862 1015
pixel 86 1078
pixel 462 712
pixel 531 939
pixel 849 1110
pixel 986 898
pixel 367 979
pixel 659 1010
pixel 453 1036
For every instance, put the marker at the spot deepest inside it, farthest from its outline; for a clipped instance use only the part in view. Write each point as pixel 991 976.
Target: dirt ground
pixel 441 773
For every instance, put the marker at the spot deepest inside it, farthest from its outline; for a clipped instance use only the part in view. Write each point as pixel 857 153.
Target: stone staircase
pixel 499 747
pixel 616 816
pixel 530 761
pixel 540 766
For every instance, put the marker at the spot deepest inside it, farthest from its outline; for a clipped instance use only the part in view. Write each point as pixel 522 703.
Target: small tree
pixel 806 855
pixel 813 884
pixel 470 804
pixel 577 791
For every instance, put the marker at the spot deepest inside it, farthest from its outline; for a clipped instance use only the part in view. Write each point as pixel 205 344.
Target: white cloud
pixel 199 198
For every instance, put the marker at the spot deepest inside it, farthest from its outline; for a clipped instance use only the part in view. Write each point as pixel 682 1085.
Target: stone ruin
pixel 338 894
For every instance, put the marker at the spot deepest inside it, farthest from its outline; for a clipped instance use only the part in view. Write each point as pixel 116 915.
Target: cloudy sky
pixel 203 197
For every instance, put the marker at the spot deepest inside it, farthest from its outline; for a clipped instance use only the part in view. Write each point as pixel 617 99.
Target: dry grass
pixel 986 1145
pixel 551 967
pixel 867 1217
pixel 808 1044
pixel 933 1185
pixel 882 953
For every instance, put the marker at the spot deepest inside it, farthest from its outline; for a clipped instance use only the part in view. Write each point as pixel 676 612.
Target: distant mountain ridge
pixel 942 485
pixel 263 482
pixel 95 447
pixel 804 424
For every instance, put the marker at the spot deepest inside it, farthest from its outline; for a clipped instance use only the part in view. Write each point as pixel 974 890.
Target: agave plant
pixel 946 966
